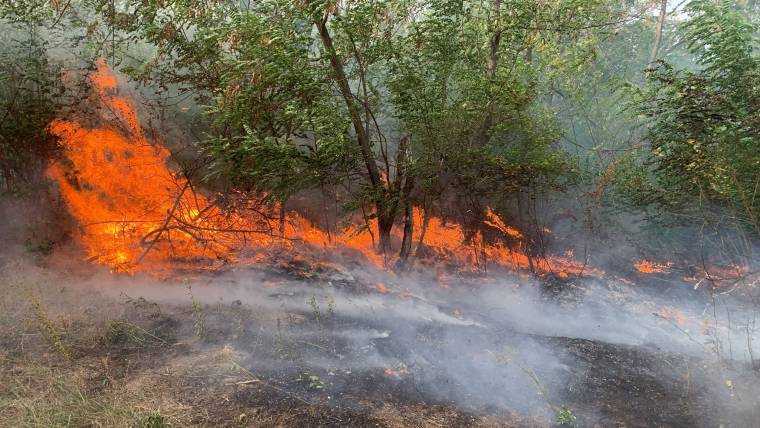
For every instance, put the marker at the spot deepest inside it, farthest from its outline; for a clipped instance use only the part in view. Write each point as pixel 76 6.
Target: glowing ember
pixel 397 372
pixel 646 266
pixel 718 276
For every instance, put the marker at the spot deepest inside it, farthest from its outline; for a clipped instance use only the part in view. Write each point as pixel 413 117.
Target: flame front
pixel 134 212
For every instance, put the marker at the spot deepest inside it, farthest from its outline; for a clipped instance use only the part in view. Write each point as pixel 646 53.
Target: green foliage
pixel 311 381
pixel 276 125
pixel 30 91
pixel 704 125
pixel 441 95
pixel 48 328
pixel 199 318
pixel 39 56
pixel 416 70
pixel 565 417
pixel 721 38
pixel 153 420
pixel 43 247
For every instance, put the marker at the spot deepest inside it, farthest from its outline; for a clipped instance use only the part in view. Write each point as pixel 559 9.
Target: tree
pixel 704 125
pixel 382 101
pixel 31 93
pixel 658 30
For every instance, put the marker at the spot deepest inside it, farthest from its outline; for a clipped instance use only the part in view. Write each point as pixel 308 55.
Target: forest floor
pixel 76 355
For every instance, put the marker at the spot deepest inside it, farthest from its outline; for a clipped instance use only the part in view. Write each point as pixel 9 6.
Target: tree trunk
pixel 481 135
pixel 348 97
pixel 385 214
pixel 658 30
pixel 384 227
pixel 525 242
pixel 406 194
pixel 282 219
pixel 423 231
pixel 406 242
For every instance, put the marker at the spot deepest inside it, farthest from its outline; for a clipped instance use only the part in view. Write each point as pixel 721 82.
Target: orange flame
pixel 646 266
pixel 135 213
pixel 130 206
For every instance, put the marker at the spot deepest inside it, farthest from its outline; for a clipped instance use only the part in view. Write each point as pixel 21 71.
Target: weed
pixel 331 306
pixel 565 417
pixel 40 396
pixel 48 328
pixel 239 316
pixel 316 313
pixel 118 332
pixel 311 381
pixel 199 317
pixel 319 318
pixel 153 420
pixel 43 247
pixel 283 346
pixel 143 304
pixel 125 333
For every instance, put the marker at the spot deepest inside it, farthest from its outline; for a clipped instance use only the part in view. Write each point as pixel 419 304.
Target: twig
pixel 166 223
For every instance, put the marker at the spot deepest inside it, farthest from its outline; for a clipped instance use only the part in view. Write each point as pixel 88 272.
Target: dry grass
pixel 55 362
pixel 37 395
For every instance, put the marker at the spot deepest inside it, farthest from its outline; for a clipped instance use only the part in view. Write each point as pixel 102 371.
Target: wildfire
pixel 132 209
pixel 646 266
pixel 135 213
pixel 719 276
pixel 493 220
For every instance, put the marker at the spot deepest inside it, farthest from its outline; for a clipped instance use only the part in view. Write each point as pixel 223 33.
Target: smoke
pixel 500 344
pixel 485 345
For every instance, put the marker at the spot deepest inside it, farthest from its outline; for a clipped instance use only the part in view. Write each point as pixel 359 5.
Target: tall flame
pixel 130 206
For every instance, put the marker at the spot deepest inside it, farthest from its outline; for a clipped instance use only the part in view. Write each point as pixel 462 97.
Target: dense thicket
pixel 696 167
pixel 30 89
pixel 703 125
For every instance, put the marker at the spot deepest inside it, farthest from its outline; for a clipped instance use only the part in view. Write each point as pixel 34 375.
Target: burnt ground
pixel 294 345
pixel 80 351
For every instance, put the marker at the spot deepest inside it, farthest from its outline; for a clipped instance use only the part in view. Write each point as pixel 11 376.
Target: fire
pixel 131 208
pixel 718 275
pixel 646 266
pixel 135 213
pixel 449 243
pixel 493 220
pixel 121 257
